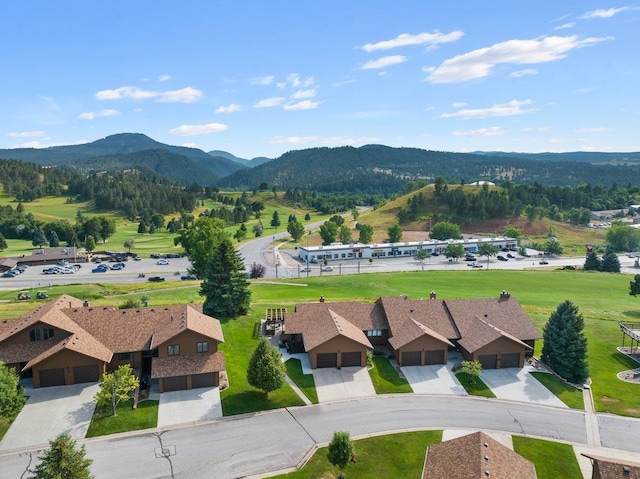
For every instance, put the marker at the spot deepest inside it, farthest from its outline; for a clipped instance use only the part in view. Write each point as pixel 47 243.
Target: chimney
pixel 85 304
pixel 504 294
pixel 432 295
pixel 322 299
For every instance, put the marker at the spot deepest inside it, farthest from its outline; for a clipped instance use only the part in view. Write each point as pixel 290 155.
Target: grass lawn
pixel 241 338
pixel 394 455
pixel 475 387
pixel 145 417
pixel 385 378
pixel 5 423
pixel 552 459
pixel 567 394
pixel 304 381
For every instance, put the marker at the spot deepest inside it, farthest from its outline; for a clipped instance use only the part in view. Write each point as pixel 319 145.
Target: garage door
pixel 86 374
pixel 204 380
pixel 327 360
pixel 351 359
pixel 511 360
pixel 411 358
pixel 434 357
pixel 177 383
pixel 488 361
pixel 51 377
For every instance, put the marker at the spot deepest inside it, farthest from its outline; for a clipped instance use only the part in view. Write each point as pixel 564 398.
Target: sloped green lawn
pixel 385 378
pixel 304 381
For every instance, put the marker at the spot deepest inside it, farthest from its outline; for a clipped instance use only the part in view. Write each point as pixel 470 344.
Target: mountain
pixel 593 157
pixel 114 149
pixel 383 170
pixel 242 161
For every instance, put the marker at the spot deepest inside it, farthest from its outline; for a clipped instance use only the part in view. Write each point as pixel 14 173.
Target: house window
pixel 47 333
pixel 124 356
pixel 34 334
pixel 173 350
pixel 202 347
pixel 374 332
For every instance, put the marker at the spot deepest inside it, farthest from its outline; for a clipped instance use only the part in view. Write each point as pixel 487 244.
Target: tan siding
pixel 499 346
pixel 187 341
pixel 423 343
pixel 65 359
pixel 338 345
pixel 23 336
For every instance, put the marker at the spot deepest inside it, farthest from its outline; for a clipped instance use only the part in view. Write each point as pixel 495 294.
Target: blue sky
pixel 262 78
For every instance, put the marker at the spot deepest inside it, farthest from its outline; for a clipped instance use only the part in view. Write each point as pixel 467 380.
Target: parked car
pixel 510 256
pixel 544 261
pixel 163 262
pixel 100 269
pixel 156 255
pixel 137 258
pixel 156 279
pixel 117 266
pixel 188 277
pixel 327 268
pixel 475 264
pixel 501 258
pixel 49 271
pixel 469 257
pixel 10 274
pixel 305 269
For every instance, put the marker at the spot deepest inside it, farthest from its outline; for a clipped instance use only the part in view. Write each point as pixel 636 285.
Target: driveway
pixel 50 412
pixel 192 406
pixel 517 384
pixel 347 383
pixel 434 379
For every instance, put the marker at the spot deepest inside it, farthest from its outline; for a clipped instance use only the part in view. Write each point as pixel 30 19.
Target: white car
pixel 163 262
pixel 327 268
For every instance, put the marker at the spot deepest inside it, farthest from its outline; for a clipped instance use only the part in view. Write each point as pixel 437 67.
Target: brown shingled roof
pixel 610 468
pixel 170 366
pixel 411 330
pixel 80 342
pixel 24 352
pixel 483 334
pixel 430 313
pixel 189 319
pixel 475 456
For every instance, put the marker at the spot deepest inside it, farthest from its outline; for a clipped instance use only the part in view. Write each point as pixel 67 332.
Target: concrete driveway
pixel 434 379
pixel 347 383
pixel 50 412
pixel 517 384
pixel 192 406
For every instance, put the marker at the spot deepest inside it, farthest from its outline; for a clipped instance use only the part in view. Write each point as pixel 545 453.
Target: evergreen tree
pixel 275 219
pixel 225 286
pixel 3 242
pixel 63 460
pixel 90 243
pixel 39 238
pixel 611 263
pixel 54 241
pixel 340 450
pixel 307 217
pixel 142 227
pixel 634 286
pixel 565 345
pixel 266 370
pixel 592 262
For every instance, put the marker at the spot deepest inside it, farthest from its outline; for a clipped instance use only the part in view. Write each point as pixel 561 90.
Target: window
pixel 173 350
pixel 34 334
pixel 374 332
pixel 202 347
pixel 124 356
pixel 47 333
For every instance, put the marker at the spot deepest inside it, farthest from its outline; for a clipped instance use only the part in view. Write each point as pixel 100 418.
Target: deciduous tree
pixel 328 232
pixel 445 230
pixel 395 233
pixel 11 393
pixel 266 370
pixel 345 234
pixel 472 368
pixel 199 241
pixel 366 234
pixel 565 345
pixel 296 230
pixel 454 251
pixel 116 387
pixel 340 450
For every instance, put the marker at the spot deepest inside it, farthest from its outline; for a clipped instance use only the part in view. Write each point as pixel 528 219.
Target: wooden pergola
pixel 631 330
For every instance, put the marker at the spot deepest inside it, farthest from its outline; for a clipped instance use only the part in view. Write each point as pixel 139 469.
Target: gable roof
pixel 48 313
pixel 610 468
pixel 475 456
pixel 483 334
pixel 430 313
pixel 200 363
pixel 188 319
pixel 412 330
pixel 320 324
pixel 82 343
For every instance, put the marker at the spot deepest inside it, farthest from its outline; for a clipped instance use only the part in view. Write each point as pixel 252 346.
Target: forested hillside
pixel 382 170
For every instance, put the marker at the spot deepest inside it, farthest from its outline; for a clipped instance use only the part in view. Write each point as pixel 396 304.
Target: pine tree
pixel 39 238
pixel 275 219
pixel 565 345
pixel 62 459
pixel 3 242
pixel 611 263
pixel 54 241
pixel 592 263
pixel 225 286
pixel 266 370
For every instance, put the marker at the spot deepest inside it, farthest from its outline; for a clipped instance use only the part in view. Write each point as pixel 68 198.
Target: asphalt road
pixel 271 441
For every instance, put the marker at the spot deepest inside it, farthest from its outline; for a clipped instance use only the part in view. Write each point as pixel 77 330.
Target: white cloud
pixel 164 77
pixel 302 105
pixel 193 130
pixel 269 102
pixel 185 95
pixel 26 134
pixel 294 80
pixel 514 107
pixel 405 39
pixel 565 26
pixel 300 94
pixel 229 108
pixel 459 104
pixel 556 141
pixel 602 13
pixel 134 93
pixel 292 140
pixel 598 129
pixel 479 63
pixel 265 80
pixel 384 62
pixel 491 131
pixel 524 72
pixel 97 114
pixel 189 145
